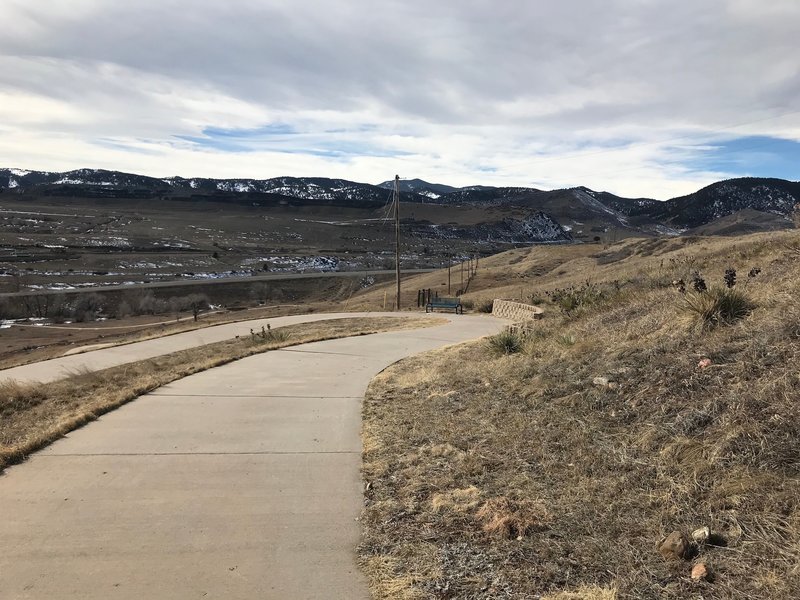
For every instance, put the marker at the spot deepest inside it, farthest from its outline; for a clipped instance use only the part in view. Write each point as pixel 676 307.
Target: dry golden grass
pixel 506 518
pixel 608 424
pixel 34 415
pixel 585 593
pixel 525 272
pixel 457 501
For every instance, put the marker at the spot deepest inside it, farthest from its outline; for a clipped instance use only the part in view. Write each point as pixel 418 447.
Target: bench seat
pixel 445 303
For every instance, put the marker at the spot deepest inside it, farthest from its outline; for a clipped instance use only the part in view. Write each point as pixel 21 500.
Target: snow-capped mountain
pixel 418 186
pixel 581 210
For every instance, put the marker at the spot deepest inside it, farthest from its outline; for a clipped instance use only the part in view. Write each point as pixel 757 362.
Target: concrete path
pixel 58 368
pixel 241 482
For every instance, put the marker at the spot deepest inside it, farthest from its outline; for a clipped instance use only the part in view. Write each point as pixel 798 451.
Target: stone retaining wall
pixel 515 311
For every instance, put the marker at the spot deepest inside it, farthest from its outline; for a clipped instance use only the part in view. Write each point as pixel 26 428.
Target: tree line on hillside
pixel 92 306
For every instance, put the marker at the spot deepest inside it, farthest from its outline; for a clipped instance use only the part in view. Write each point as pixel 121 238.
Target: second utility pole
pixel 449 262
pixel 397 237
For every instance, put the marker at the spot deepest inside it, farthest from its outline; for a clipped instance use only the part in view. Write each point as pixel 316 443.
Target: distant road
pixel 221 280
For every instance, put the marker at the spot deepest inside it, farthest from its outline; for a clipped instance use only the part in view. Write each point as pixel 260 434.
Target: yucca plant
pixel 505 342
pixel 718 306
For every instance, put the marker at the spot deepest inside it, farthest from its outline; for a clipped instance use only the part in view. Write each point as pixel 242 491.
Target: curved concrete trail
pixel 58 368
pixel 240 482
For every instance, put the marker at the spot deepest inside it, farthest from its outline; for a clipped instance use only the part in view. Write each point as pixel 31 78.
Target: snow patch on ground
pixel 115 242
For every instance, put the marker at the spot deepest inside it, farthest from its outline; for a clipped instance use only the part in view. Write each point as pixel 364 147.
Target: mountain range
pixel 744 204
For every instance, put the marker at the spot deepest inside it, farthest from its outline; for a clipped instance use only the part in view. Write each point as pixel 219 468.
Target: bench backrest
pixel 444 302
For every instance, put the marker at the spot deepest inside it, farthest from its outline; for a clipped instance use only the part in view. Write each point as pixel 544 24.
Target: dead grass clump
pixel 585 593
pixel 400 585
pixel 456 501
pixel 509 519
pixel 445 451
pixel 15 396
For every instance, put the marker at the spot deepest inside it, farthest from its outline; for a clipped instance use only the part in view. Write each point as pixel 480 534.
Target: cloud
pixel 624 95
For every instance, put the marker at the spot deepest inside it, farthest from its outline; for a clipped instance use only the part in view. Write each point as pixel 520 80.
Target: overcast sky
pixel 638 97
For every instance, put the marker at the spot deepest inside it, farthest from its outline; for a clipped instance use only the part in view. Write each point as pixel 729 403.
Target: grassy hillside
pixel 526 273
pixel 554 465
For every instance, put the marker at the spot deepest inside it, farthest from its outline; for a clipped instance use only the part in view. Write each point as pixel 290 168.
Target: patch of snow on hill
pixel 728 198
pixel 110 242
pixel 235 186
pixel 70 181
pixel 12 183
pixel 670 231
pixel 592 202
pixel 19 172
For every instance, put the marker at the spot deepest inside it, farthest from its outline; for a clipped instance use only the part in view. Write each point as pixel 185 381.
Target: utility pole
pixel 397 237
pixel 449 262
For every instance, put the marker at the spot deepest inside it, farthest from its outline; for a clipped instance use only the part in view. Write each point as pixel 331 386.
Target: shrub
pixel 718 306
pixel 87 307
pixel 505 342
pixel 124 309
pixel 566 339
pixel 485 305
pixel 15 396
pixel 197 303
pixel 148 304
pixel 571 299
pixel 268 334
pixel 260 292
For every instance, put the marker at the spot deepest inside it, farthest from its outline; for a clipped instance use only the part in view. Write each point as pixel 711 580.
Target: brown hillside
pixel 555 465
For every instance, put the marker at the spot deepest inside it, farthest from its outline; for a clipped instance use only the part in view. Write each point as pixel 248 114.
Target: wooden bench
pixel 445 303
